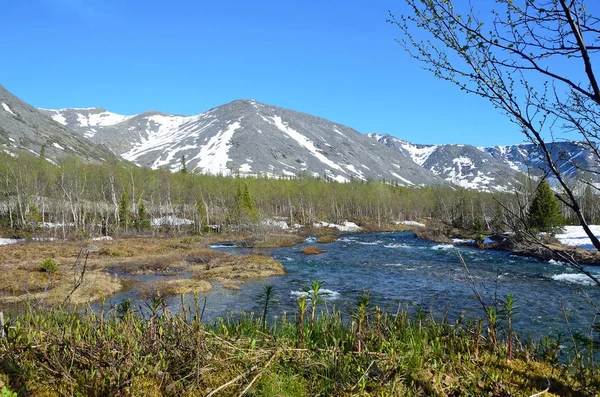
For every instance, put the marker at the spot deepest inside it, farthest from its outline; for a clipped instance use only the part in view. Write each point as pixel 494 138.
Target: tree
pixel 543 214
pixel 124 213
pixel 183 169
pixel 142 222
pixel 532 60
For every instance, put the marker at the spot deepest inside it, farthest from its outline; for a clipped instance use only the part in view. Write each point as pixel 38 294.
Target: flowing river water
pixel 402 271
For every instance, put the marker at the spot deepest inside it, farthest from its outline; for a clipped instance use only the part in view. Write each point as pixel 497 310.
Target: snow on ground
pixel 302 141
pixel 165 135
pixel 575 236
pixel 56 145
pixel 103 238
pixel 345 227
pixel 402 179
pixel 246 168
pixel 418 154
pixel 213 156
pixel 275 224
pixel 409 223
pixel 171 221
pixel 9 110
pixel 6 241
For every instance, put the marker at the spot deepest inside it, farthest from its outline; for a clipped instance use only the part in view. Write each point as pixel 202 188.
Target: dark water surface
pixel 401 270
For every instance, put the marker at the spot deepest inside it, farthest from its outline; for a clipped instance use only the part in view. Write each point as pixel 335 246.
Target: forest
pixel 78 199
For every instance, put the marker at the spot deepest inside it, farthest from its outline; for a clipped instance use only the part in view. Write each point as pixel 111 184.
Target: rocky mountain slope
pixel 25 128
pixel 463 165
pixel 248 138
pixel 574 159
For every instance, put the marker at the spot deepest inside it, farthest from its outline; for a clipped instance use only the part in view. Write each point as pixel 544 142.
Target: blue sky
pixel 335 59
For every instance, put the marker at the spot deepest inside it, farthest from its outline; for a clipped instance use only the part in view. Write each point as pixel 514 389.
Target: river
pixel 402 271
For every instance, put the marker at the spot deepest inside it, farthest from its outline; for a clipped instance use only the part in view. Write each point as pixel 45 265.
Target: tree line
pixel 118 198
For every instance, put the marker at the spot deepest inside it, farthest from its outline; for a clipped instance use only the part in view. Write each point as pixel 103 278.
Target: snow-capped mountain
pixel 462 165
pixel 25 128
pixel 574 159
pixel 248 138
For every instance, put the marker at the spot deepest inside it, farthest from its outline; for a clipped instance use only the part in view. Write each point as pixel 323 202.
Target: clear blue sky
pixel 335 59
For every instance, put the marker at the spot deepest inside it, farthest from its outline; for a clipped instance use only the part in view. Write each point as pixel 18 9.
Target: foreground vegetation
pixel 157 353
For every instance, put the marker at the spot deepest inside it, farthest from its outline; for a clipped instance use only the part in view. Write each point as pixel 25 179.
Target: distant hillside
pixel 25 128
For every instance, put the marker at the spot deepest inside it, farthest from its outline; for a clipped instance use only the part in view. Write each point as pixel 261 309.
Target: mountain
pixel 248 138
pixel 574 159
pixel 463 165
pixel 25 128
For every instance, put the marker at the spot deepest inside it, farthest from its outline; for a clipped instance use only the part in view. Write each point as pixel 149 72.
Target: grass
pixel 328 238
pixel 236 267
pixel 312 250
pixel 119 351
pixel 30 271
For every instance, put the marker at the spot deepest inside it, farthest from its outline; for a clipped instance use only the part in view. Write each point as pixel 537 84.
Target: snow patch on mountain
pixel 304 142
pixel 213 156
pixel 8 109
pixel 418 153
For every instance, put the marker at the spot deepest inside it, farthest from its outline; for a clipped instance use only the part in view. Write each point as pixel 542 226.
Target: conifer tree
pixel 543 214
pixel 124 215
pixel 183 169
pixel 143 219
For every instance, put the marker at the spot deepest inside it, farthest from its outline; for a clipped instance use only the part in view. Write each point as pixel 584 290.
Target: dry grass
pixel 328 238
pixel 203 256
pixel 232 267
pixel 312 250
pixel 185 286
pixel 95 286
pixel 276 240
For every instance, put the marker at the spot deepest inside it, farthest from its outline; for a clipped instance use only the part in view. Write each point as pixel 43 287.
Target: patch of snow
pixel 275 224
pixel 288 173
pixel 56 145
pixel 246 168
pixel 213 157
pixel 303 141
pixel 345 227
pixel 409 223
pixel 575 236
pixel 8 109
pixel 103 238
pixel 6 241
pixel 171 220
pixel 418 154
pixel 402 179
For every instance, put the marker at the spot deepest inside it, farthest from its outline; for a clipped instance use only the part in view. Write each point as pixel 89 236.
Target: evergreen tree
pixel 183 169
pixel 543 214
pixel 124 215
pixel 143 219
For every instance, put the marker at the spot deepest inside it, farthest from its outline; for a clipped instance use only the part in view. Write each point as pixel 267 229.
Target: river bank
pixel 541 247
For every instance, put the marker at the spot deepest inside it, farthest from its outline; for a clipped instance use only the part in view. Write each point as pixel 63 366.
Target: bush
pixel 312 250
pixel 49 265
pixel 327 239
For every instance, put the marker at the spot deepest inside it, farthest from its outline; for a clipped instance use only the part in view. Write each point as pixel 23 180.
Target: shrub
pixel 49 265
pixel 327 239
pixel 312 250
